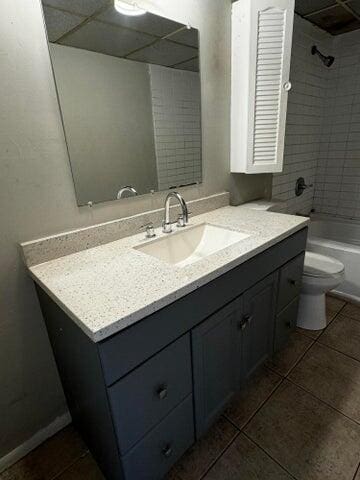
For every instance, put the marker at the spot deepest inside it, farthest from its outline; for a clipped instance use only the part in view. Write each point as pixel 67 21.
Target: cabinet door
pixel 259 308
pixel 261 53
pixel 216 345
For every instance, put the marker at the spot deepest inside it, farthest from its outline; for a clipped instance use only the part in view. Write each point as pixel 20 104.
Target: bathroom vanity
pixel 144 386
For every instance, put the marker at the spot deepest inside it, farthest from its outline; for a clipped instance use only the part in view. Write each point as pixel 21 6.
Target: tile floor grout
pixel 65 469
pixel 357 471
pixel 322 401
pixel 256 411
pixel 221 454
pixel 268 455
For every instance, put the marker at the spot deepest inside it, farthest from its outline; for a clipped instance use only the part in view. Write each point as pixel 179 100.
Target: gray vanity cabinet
pixel 259 309
pixel 216 345
pixel 229 346
pixel 141 397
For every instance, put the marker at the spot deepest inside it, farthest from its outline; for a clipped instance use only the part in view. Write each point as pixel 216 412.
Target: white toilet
pixel 321 274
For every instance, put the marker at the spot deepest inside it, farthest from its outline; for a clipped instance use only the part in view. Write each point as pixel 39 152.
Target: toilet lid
pixel 317 265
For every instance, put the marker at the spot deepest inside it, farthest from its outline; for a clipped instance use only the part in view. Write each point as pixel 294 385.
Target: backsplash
pixel 66 243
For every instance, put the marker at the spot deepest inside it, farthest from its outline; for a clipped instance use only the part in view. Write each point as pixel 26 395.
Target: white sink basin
pixel 191 244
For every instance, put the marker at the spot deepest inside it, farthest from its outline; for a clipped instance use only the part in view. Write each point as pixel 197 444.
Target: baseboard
pixel 19 452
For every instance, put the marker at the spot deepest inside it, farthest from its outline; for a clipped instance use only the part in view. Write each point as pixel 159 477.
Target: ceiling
pixel 333 16
pixel 95 25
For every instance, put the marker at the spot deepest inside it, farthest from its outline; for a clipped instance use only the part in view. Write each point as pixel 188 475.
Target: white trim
pixel 19 452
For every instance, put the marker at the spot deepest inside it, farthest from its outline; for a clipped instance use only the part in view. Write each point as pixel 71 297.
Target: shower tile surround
pixel 322 141
pixel 304 118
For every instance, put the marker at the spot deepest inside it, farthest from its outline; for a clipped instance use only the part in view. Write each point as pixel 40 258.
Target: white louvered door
pixel 261 53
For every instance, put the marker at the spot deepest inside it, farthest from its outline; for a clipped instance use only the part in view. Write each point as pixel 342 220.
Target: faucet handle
pixel 150 232
pixel 180 221
pixel 166 227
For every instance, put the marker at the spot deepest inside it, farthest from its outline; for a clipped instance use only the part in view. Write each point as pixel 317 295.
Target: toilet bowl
pixel 321 274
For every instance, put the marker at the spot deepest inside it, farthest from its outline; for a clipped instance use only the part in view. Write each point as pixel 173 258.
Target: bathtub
pixel 339 239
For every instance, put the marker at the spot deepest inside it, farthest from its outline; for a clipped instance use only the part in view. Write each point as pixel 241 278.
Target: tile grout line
pixel 339 351
pixel 357 471
pixel 65 469
pixel 268 455
pixel 331 321
pixel 322 401
pixel 241 429
pixel 284 376
pixel 219 456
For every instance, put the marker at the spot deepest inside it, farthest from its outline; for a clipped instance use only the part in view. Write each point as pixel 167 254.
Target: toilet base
pixel 312 311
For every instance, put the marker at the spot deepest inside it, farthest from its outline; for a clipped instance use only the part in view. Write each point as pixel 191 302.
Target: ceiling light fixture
pixel 128 8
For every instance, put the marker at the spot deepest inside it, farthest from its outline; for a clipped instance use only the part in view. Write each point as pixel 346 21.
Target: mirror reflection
pixel 129 93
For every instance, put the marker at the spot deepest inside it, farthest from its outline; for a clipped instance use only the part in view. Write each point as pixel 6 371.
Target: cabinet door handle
pixel 293 282
pixel 246 320
pixel 162 392
pixel 167 451
pixel 288 324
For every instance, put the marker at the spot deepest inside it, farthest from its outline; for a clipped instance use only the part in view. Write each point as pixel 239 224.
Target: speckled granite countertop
pixel 108 288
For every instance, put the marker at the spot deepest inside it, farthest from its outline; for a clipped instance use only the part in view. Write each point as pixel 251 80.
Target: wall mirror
pixel 129 94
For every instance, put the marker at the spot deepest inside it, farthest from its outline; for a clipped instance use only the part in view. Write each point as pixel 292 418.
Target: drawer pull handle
pixel 293 282
pixel 162 392
pixel 167 451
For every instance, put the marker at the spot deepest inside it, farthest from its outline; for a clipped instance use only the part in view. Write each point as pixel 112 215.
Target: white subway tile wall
pixel 338 171
pixel 306 104
pixel 177 125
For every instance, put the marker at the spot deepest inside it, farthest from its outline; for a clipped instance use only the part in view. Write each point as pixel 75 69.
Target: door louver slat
pixel 271 26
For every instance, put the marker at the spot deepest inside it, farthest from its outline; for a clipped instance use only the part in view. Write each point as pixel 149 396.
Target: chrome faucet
pixel 127 188
pixel 182 219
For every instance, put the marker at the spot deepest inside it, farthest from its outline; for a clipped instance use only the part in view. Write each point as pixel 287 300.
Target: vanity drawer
pixel 163 446
pixel 145 396
pixel 285 324
pixel 290 281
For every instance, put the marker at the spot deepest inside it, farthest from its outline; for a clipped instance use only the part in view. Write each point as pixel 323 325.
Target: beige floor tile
pixel 352 311
pixel 49 459
pixel 252 396
pixel 84 469
pixel 313 334
pixel 344 335
pixel 309 439
pixel 243 460
pixel 201 456
pixel 284 360
pixel 334 304
pixel 331 377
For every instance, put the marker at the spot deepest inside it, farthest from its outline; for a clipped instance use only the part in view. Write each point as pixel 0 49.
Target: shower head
pixel 327 61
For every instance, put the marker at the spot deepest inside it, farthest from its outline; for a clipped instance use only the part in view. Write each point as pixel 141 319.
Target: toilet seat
pixel 321 266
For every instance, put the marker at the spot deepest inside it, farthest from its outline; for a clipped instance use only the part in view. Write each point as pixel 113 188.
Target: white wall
pixel 307 100
pixel 37 193
pixel 338 173
pixel 177 125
